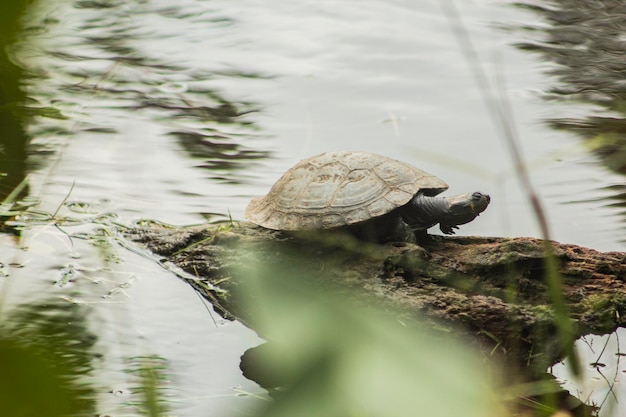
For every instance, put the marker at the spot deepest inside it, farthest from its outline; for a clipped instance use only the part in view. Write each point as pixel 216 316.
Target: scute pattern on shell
pixel 336 189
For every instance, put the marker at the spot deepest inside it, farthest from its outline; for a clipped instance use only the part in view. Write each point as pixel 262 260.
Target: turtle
pixel 373 196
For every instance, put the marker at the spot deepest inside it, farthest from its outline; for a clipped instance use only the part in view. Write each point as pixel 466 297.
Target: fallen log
pixel 494 289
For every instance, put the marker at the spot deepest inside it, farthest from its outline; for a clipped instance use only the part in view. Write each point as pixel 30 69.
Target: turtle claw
pixel 448 229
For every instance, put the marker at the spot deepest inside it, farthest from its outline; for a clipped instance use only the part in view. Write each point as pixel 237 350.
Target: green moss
pixel 542 312
pixel 602 312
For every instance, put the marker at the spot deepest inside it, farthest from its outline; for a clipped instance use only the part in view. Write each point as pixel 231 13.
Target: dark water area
pixel 181 112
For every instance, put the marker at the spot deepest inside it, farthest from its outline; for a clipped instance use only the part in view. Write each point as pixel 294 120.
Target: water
pixel 183 113
pixel 601 379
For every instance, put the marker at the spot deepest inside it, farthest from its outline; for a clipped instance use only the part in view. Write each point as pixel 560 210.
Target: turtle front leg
pixel 402 232
pixel 405 233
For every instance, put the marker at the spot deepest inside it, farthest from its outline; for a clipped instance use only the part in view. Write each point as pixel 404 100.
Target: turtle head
pixel 463 209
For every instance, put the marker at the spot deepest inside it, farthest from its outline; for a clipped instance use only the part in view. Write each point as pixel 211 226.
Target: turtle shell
pixel 337 189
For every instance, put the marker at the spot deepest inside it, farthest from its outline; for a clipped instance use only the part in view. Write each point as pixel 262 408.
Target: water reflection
pixel 105 56
pixel 93 80
pixel 602 373
pixel 48 353
pixel 152 374
pixel 587 42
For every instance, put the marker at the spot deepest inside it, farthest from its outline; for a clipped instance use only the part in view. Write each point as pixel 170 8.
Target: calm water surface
pixel 180 112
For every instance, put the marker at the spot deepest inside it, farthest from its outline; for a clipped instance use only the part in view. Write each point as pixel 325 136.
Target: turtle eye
pixel 477 196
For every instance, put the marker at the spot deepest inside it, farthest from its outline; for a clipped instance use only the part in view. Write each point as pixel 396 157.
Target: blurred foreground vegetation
pixel 339 358
pixel 12 100
pixel 45 355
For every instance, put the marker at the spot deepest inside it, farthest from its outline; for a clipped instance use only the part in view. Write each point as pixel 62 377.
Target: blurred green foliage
pixel 13 141
pixel 339 358
pixel 45 357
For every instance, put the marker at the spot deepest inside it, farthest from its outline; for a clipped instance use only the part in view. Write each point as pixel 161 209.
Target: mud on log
pixel 493 288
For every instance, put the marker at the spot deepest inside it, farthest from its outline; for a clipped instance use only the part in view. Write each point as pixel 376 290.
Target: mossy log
pixel 491 288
